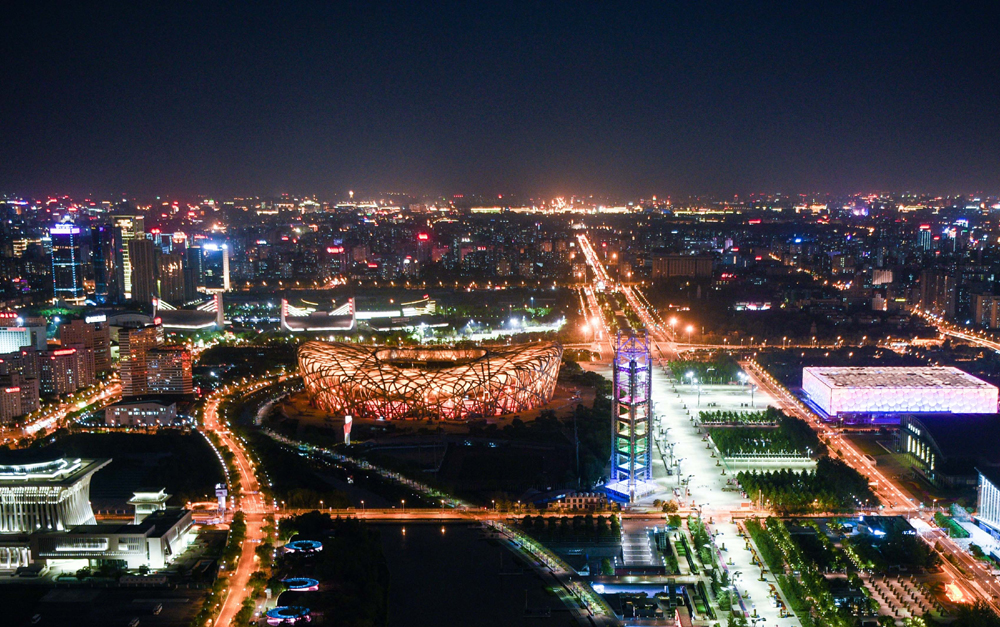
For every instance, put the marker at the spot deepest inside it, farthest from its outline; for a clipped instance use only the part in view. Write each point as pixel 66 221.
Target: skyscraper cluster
pixel 116 260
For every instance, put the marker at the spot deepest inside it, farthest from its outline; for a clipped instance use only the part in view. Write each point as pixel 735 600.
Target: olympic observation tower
pixel 631 455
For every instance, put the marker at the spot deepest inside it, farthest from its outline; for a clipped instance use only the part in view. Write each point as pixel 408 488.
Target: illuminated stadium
pixel 452 384
pixel 838 390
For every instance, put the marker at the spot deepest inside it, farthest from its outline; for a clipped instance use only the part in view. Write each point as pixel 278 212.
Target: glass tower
pixel 67 263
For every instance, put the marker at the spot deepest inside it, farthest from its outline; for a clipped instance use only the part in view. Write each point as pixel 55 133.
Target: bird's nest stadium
pixel 425 382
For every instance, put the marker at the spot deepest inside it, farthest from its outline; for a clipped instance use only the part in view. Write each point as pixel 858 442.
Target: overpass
pixel 437 514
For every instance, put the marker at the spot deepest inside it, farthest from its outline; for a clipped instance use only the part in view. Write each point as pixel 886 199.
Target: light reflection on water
pixel 448 575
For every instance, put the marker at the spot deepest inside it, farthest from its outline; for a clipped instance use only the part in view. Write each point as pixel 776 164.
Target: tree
pixel 607 568
pixel 705 553
pixel 258 581
pixel 670 506
pixel 265 552
pixel 978 614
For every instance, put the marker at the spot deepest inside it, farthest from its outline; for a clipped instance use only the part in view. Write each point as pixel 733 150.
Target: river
pixel 450 575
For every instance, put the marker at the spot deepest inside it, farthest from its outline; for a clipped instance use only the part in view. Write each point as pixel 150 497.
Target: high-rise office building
pixel 142 256
pixel 18 396
pixel 64 371
pixel 168 371
pixel 925 239
pixel 134 345
pixel 193 273
pixel 127 228
pixel 103 245
pixel 215 267
pixel 67 263
pixel 23 362
pixel 93 334
pixel 10 402
pixel 171 277
pixel 938 292
pixel 14 336
pixel 149 368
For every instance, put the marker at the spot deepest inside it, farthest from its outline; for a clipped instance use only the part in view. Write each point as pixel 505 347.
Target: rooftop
pixel 62 471
pixel 899 377
pixel 152 526
pixel 991 474
pixel 962 435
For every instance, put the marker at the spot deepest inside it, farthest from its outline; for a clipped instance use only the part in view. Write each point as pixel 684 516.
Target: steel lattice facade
pixel 451 384
pixel 631 467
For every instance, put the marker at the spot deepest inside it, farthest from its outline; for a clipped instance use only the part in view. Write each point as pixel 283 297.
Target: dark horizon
pixel 257 99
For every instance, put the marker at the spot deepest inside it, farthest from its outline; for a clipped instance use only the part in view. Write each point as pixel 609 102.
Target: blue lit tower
pixel 67 263
pixel 631 468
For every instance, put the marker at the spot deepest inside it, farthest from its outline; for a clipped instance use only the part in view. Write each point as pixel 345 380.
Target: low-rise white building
pixel 580 501
pixel 46 519
pixel 142 413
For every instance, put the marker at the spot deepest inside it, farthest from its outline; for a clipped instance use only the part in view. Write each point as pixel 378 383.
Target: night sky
pixel 229 98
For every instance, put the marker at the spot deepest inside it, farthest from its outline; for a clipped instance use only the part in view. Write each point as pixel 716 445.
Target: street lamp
pixel 689 329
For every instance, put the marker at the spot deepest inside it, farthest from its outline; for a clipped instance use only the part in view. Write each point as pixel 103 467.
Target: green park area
pixel 832 487
pixel 718 368
pixel 790 437
pixel 768 417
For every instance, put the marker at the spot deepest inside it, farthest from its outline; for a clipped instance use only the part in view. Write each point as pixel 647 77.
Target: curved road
pixel 250 502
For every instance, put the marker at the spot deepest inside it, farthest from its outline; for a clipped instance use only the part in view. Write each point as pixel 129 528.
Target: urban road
pixel 975 580
pixel 249 501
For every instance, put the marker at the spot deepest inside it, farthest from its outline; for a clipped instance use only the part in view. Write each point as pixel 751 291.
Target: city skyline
pixel 537 100
pixel 409 315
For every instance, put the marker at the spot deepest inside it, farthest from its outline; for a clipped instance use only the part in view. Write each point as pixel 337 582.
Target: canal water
pixel 449 575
